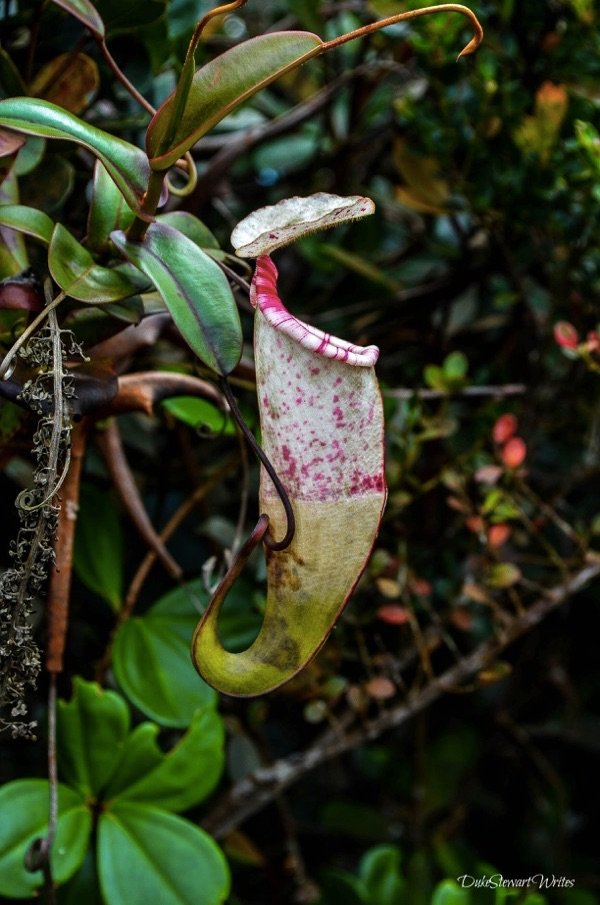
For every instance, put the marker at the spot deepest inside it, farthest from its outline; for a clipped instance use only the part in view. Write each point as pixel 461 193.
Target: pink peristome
pixel 320 405
pixel 264 295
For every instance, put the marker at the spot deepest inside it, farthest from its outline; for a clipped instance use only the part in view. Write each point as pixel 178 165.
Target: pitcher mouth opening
pixel 264 296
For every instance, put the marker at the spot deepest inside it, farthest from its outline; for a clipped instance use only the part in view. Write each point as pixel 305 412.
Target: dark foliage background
pixel 486 176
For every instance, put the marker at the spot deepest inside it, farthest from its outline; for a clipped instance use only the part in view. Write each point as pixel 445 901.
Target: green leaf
pixel 86 13
pixel 339 886
pixel 148 856
pixel 449 893
pixel 76 272
pixel 195 291
pixel 23 818
pixel 151 660
pixel 126 164
pixel 184 776
pixel 30 155
pixel 199 413
pixel 13 254
pixel 91 728
pixel 108 210
pixel 99 545
pixel 122 16
pixel 27 220
pixel 222 85
pixel 380 872
pixel 456 366
pixel 191 227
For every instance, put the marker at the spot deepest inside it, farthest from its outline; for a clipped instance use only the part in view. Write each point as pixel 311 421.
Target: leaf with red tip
pixel 86 12
pixel 322 428
pixel 222 85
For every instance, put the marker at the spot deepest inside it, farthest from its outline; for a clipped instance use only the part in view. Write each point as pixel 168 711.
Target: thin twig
pixel 496 392
pixel 259 788
pixel 110 444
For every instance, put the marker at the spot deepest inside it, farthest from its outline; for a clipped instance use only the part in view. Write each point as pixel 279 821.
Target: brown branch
pixel 186 508
pixel 110 445
pixel 60 576
pixel 142 391
pixel 258 789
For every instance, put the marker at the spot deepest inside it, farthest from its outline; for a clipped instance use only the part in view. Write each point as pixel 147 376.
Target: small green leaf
pixel 148 856
pixel 108 210
pixel 199 413
pixel 504 575
pixel 380 872
pixel 86 13
pixel 183 777
pixel 449 893
pixel 126 164
pixel 23 818
pixel 435 378
pixel 76 272
pixel 27 220
pixel 99 545
pixel 456 366
pixel 92 728
pixel 151 659
pixel 222 85
pixel 195 291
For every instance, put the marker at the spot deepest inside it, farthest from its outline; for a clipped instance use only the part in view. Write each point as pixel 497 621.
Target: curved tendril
pixel 218 11
pixel 471 47
pixel 192 177
pixel 281 491
pixel 239 561
pixel 5 365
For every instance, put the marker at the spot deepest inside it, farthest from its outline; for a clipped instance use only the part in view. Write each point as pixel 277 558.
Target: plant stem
pixel 137 230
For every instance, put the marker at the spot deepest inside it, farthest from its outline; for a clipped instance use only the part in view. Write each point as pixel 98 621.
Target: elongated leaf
pixel 222 85
pixel 27 220
pixel 195 291
pixel 322 428
pixel 191 227
pixel 92 728
pixel 13 254
pixel 99 545
pixel 76 272
pixel 148 856
pixel 181 778
pixel 126 164
pixel 86 12
pixel 108 210
pixel 23 818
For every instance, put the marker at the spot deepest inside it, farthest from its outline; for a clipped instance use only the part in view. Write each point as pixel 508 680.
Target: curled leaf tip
pixel 269 228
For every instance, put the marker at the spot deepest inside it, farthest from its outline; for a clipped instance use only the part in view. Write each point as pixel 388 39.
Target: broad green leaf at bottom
pixel 147 857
